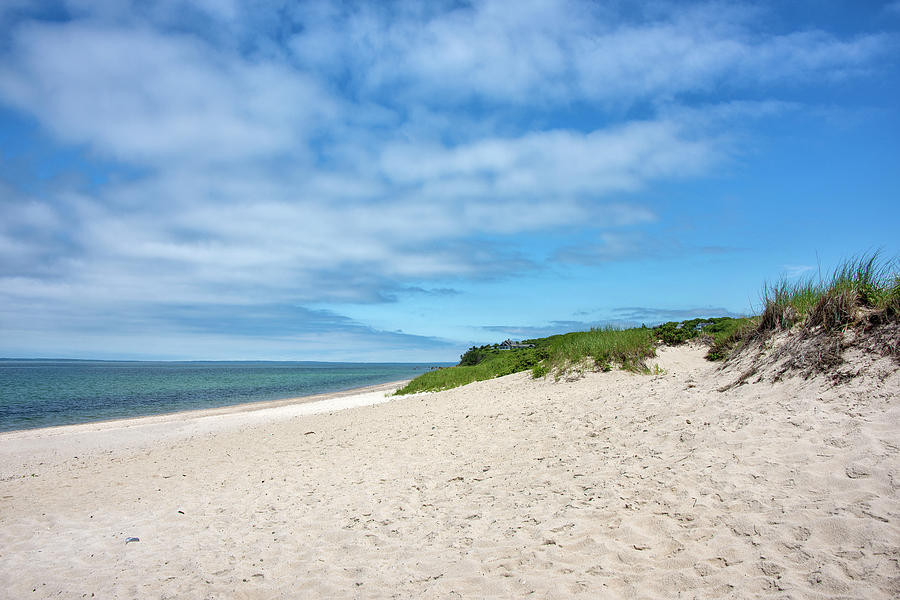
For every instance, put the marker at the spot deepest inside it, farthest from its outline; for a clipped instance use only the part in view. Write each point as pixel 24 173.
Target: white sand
pixel 613 485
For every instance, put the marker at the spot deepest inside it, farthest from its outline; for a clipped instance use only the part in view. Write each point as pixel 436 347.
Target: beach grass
pixel 864 289
pixel 496 364
pixel 604 347
pixel 858 288
pixel 598 349
pixel 601 348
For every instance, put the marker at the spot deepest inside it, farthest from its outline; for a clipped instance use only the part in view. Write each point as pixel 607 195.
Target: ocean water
pixel 43 393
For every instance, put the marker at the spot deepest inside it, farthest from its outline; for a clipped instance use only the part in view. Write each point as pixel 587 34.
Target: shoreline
pixel 23 447
pixel 217 410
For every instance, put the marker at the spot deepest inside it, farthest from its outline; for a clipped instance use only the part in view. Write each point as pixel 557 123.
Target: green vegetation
pixel 493 364
pixel 860 291
pixel 722 334
pixel 605 348
pixel 729 338
pixel 892 304
pixel 864 288
pixel 475 355
pixel 602 347
pixel 712 330
pixel 861 295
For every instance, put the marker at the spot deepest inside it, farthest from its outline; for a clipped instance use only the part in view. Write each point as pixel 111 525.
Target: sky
pixel 379 181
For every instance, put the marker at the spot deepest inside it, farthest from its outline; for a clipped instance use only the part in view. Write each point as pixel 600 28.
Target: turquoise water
pixel 39 393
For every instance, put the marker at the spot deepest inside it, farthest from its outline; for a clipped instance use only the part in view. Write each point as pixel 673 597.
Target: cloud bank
pixel 265 154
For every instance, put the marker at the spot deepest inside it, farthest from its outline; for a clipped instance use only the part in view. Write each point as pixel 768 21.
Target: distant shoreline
pixel 197 413
pixel 206 362
pixel 40 393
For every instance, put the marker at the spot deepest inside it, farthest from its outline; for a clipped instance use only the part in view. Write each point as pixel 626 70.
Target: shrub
pixel 722 333
pixel 726 341
pixel 474 355
pixel 673 334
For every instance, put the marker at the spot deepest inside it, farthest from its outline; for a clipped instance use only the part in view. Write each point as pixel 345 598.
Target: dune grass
pixel 864 290
pixel 892 303
pixel 604 348
pixel 862 296
pixel 496 364
pixel 858 288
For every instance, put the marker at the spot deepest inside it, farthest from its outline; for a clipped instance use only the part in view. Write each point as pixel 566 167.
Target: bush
pixel 495 363
pixel 717 331
pixel 539 370
pixel 474 355
pixel 672 333
pixel 727 339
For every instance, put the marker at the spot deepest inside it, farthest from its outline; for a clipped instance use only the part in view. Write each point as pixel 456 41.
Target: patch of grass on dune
pixel 859 288
pixel 787 302
pixel 860 298
pixel 861 291
pixel 605 348
pixel 625 348
pixel 892 304
pixel 496 364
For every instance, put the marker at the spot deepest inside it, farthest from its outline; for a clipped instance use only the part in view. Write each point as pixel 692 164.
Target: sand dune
pixel 608 485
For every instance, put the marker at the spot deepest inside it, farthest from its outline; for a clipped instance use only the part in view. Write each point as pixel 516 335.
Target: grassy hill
pixel 602 349
pixel 861 292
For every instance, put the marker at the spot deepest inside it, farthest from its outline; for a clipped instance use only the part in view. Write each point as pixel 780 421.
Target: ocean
pixel 44 393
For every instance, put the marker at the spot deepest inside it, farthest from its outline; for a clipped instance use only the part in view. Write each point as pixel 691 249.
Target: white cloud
pixel 141 95
pixel 352 150
pixel 557 163
pixel 236 203
pixel 532 53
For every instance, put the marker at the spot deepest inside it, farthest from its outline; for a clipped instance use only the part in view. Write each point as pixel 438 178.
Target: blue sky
pixel 398 181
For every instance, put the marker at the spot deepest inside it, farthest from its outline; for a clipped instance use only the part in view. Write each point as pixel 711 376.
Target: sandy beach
pixel 601 485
